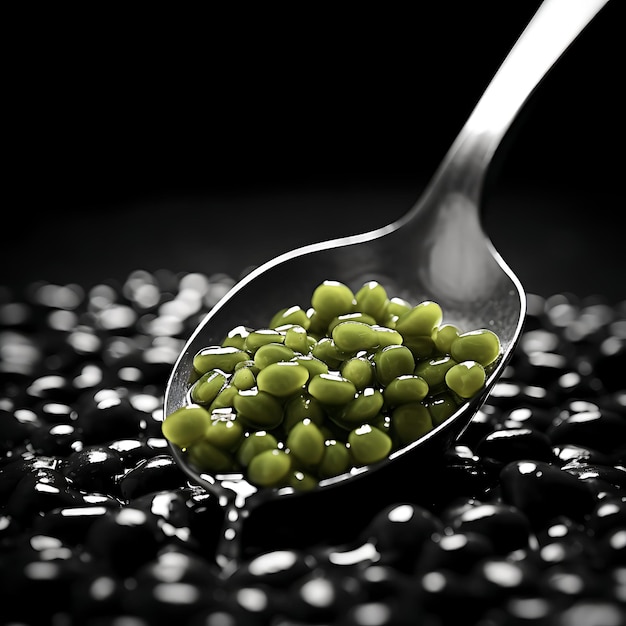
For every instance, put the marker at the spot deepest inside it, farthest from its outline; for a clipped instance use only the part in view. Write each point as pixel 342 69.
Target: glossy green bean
pixel 320 390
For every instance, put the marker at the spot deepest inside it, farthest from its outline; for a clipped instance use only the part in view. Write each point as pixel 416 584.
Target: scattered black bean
pixel 523 521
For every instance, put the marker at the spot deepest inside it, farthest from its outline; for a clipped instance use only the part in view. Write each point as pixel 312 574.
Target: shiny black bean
pixel 71 524
pixel 384 582
pixel 600 479
pixel 512 444
pixel 107 415
pixel 464 477
pixel 522 520
pixel 611 549
pixel 322 596
pixel 538 418
pixel 598 429
pixel 387 612
pixel 455 551
pixel 400 532
pixel 14 431
pixel 166 602
pixel 504 525
pixel 277 568
pixel 124 540
pixel 98 598
pixel 498 577
pixel 174 586
pixel 160 472
pixel 56 440
pixel 570 453
pixel 592 611
pixel 95 468
pixel 37 580
pixel 442 592
pixel 543 491
pixel 53 413
pixel 52 387
pixel 38 492
pixel 608 514
pixel 131 450
pixel 610 367
pixel 14 468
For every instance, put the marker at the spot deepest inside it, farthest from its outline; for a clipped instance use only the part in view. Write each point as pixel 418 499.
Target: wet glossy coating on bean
pixel 339 384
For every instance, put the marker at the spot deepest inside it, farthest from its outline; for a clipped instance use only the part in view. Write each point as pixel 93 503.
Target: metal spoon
pixel 436 251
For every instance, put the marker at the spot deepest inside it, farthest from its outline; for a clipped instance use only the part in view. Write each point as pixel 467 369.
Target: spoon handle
pixel 555 25
pixel 454 264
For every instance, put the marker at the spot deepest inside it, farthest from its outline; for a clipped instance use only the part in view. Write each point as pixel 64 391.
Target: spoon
pixel 436 251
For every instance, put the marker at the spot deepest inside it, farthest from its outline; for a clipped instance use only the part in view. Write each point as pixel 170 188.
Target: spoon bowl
pixel 437 251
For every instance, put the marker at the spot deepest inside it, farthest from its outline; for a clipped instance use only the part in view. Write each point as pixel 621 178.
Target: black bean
pixel 455 551
pixel 504 525
pixel 14 468
pixel 599 429
pixel 14 430
pixel 592 612
pixel 39 492
pixel 98 598
pixel 52 387
pixel 528 416
pixel 570 453
pixel 277 568
pixel 513 444
pixel 71 524
pixel 322 596
pixel 400 532
pixel 124 539
pixel 521 521
pixel 96 468
pixel 150 475
pixel 601 479
pixel 499 577
pixel 106 415
pixel 610 367
pixel 56 440
pixel 55 412
pixel 608 514
pixel 543 491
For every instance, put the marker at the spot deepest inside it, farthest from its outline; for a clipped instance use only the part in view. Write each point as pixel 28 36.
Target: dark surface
pixel 211 145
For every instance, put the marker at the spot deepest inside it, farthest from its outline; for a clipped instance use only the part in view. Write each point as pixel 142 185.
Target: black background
pixel 212 141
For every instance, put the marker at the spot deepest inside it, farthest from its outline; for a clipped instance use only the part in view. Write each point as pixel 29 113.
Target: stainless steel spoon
pixel 436 251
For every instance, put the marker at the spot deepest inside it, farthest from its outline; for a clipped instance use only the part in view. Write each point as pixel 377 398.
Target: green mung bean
pixel 186 425
pixel 257 408
pixel 306 442
pixel 206 388
pixel 482 345
pixel 332 389
pixel 351 336
pixel 218 357
pixel 320 390
pixel 282 379
pixel 393 361
pixel 332 298
pixel 466 378
pixel 369 445
pixel 269 468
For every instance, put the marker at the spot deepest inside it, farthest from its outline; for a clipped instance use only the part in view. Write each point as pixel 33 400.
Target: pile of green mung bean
pixel 320 390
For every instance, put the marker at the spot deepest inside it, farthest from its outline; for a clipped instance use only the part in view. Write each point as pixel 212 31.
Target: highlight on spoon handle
pixel 555 25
